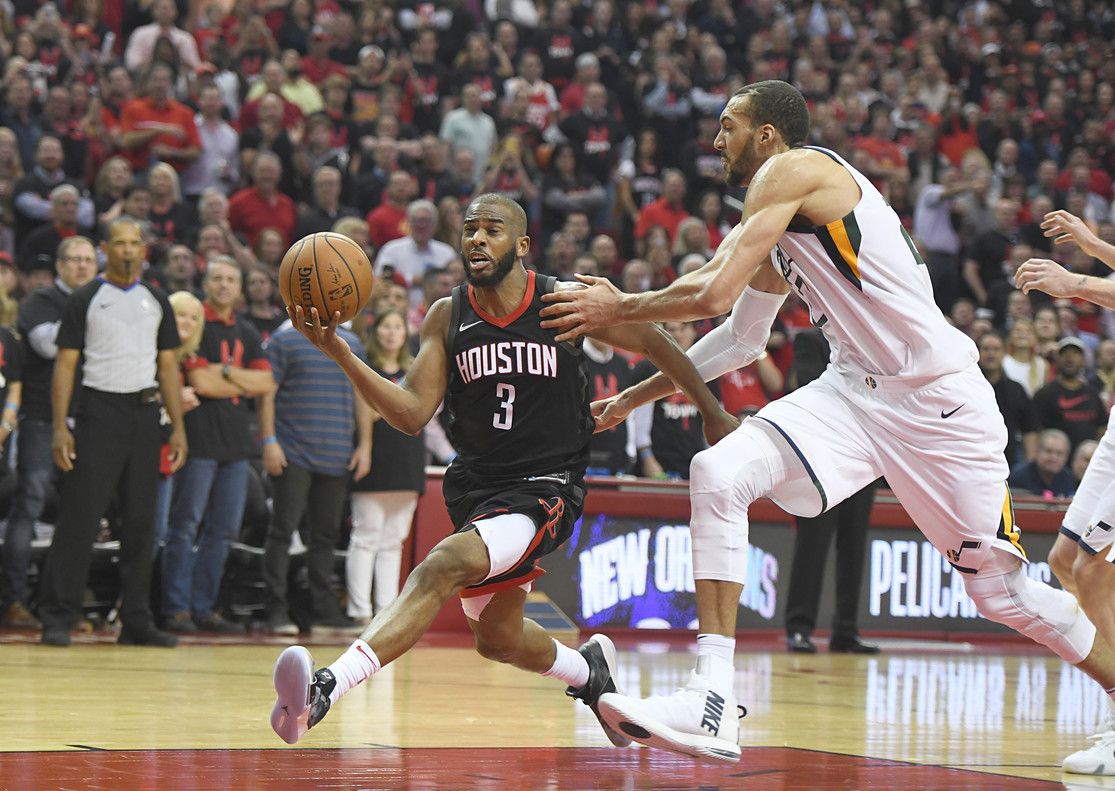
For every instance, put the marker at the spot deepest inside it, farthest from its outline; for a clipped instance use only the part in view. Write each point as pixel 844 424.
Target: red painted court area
pixel 487 769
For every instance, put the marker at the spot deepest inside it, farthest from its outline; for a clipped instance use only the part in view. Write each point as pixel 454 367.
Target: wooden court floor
pixel 920 716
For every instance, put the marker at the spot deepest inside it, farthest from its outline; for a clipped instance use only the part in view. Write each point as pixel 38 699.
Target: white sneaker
pixel 1099 759
pixel 696 720
pixel 302 696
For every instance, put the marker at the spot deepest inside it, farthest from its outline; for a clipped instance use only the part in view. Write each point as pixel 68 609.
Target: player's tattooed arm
pixel 1042 274
pixel 409 406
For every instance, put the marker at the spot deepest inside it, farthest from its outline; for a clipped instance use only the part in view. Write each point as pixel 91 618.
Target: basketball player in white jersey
pixel 902 398
pixel 1084 556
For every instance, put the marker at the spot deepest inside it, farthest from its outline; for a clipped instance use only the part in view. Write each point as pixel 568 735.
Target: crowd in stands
pixel 231 129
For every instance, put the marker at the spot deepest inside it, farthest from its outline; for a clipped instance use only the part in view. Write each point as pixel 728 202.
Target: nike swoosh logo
pixel 945 414
pixel 1071 403
pixel 464 327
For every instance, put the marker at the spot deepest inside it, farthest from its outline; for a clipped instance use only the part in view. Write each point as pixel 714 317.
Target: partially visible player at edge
pixel 519 416
pixel 902 397
pixel 1083 557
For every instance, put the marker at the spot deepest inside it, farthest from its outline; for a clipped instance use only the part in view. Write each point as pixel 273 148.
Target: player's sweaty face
pixel 488 247
pixel 735 143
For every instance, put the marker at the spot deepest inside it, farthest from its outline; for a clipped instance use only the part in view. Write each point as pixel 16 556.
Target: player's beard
pixel 735 170
pixel 503 267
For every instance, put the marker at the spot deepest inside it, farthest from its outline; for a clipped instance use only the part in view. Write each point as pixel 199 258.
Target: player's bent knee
pixel 1046 615
pixel 449 569
pixel 497 649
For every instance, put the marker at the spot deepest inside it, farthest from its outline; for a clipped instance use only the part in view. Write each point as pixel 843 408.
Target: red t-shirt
pixel 660 213
pixel 742 389
pixel 140 114
pixel 386 222
pixel 249 213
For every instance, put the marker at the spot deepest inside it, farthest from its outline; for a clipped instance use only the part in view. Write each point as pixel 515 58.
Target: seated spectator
pixel 470 127
pixel 44 240
pixel 142 41
pixel 218 165
pixel 692 238
pixel 1022 363
pixel 388 220
pixel 31 202
pixel 1015 405
pixel 1102 379
pixel 1047 475
pixel 272 134
pixel 1068 403
pixel 608 262
pixel 172 219
pixel 260 298
pixel 270 247
pixel 262 205
pixel 1081 458
pixel 608 374
pixel 566 188
pixel 271 83
pixel 437 282
pixel 669 432
pixel 1048 329
pixel 985 257
pixel 21 116
pixel 668 211
pixel 326 208
pixel 179 271
pixel 418 252
pixel 157 127
pixel 450 221
pixel 511 172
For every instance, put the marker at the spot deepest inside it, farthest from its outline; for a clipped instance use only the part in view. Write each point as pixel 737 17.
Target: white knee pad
pixel 723 481
pixel 1046 615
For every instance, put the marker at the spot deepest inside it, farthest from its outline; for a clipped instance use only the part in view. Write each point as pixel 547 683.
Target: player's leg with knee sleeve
pixel 723 481
pixel 1004 593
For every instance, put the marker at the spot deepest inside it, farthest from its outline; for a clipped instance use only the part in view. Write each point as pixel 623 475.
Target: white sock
pixel 719 665
pixel 569 666
pixel 354 666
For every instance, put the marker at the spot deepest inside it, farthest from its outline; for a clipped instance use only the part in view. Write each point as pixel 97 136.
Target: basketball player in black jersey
pixel 519 417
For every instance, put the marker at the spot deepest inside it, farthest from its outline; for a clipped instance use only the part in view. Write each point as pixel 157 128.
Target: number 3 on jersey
pixel 506 395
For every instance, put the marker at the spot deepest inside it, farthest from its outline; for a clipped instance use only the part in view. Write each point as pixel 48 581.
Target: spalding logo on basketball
pixel 326 271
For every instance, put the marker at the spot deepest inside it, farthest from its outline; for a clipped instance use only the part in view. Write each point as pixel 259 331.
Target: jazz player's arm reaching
pixel 1042 274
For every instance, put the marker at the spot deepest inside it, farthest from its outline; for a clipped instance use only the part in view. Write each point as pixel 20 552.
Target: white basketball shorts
pixel 1090 520
pixel 939 444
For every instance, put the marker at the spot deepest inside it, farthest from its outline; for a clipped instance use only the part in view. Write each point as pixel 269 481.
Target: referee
pixel 126 334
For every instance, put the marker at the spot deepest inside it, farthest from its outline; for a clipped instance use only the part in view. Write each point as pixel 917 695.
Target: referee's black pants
pixel 117 440
pixel 848 521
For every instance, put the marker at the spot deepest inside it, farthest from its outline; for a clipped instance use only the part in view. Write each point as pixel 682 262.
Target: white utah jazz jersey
pixel 869 292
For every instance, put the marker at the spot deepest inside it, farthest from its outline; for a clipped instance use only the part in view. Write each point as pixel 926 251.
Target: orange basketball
pixel 326 271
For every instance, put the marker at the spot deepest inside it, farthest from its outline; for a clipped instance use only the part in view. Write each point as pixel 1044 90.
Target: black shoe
pixel 215 623
pixel 55 635
pixel 339 623
pixel 320 689
pixel 180 623
pixel 149 636
pixel 601 657
pixel 853 646
pixel 799 643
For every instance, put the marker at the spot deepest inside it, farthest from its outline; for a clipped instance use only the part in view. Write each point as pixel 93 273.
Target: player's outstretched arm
pixel 776 194
pixel 409 406
pixel 1041 274
pixel 675 368
pixel 1065 228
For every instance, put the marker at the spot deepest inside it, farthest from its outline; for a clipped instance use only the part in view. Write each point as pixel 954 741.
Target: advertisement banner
pixel 636 572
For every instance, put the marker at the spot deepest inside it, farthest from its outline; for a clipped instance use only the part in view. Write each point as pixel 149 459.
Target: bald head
pixel 507 209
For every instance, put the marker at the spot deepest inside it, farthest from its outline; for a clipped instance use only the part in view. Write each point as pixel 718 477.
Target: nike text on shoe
pixel 695 720
pixel 1099 759
pixel 600 654
pixel 302 696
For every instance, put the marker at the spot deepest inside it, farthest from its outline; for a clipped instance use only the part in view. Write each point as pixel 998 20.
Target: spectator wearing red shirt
pixel 316 64
pixel 668 211
pixel 389 220
pixel 261 206
pixel 157 127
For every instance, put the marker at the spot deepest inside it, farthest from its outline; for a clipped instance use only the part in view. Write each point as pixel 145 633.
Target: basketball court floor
pixel 920 716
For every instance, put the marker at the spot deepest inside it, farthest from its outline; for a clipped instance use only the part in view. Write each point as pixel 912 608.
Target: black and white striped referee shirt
pixel 120 332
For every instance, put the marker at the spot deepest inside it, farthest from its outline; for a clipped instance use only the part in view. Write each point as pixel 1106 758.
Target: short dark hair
pixel 779 104
pixel 516 217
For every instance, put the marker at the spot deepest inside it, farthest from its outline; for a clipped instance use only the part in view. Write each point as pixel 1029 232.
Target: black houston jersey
pixel 518 402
